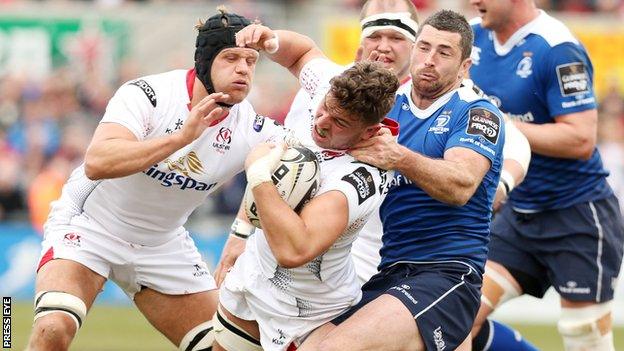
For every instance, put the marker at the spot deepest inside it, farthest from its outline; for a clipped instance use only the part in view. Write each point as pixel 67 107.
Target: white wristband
pixel 261 170
pixel 272 45
pixel 507 180
pixel 241 229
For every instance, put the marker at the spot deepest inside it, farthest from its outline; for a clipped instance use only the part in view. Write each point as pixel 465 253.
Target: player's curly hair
pixel 365 90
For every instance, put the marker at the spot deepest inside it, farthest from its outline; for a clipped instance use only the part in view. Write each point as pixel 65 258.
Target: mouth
pixel 481 12
pixel 427 76
pixel 320 132
pixel 240 84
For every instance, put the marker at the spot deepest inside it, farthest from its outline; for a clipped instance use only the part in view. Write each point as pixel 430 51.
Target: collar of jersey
pixel 502 50
pixel 426 113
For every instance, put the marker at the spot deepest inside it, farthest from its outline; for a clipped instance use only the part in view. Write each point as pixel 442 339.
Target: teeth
pixel 320 132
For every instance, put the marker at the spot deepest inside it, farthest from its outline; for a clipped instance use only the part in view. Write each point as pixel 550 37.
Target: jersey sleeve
pixel 132 108
pixel 364 187
pixel 316 75
pixel 481 129
pixel 568 80
pixel 257 128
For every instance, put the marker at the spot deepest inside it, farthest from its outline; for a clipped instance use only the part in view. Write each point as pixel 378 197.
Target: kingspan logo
pixel 187 165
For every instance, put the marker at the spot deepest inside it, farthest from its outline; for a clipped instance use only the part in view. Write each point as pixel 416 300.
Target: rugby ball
pixel 297 179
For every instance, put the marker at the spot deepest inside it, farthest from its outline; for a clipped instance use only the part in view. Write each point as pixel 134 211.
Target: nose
pixel 384 45
pixel 242 67
pixel 474 2
pixel 429 59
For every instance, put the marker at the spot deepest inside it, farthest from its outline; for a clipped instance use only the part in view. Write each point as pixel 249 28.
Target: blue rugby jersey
pixel 540 73
pixel 418 228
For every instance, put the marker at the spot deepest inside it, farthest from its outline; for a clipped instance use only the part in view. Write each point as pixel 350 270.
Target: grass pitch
pixel 123 328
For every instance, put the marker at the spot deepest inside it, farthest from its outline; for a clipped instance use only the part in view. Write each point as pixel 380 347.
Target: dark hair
pixel 451 21
pixel 365 90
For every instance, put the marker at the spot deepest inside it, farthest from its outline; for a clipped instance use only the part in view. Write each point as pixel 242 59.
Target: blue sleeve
pixel 568 80
pixel 480 128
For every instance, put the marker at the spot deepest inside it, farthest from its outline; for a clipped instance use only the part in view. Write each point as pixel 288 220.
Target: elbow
pixel 458 201
pixel 291 260
pixel 586 151
pixel 459 197
pixel 92 169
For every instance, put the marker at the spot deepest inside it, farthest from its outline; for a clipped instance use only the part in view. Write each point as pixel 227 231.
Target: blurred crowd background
pixel 60 62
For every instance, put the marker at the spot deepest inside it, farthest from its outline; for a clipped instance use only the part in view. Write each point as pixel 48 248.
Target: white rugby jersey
pixel 329 279
pixel 150 207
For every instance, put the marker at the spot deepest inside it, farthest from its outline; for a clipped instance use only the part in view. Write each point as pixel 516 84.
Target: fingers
pixel 256 35
pixel 253 35
pixel 373 56
pixel 213 115
pixel 209 103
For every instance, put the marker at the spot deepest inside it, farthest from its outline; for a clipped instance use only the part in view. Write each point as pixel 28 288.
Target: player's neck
pixel 423 102
pixel 199 92
pixel 522 16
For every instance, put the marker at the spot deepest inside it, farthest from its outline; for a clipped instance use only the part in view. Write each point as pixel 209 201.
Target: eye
pixel 340 123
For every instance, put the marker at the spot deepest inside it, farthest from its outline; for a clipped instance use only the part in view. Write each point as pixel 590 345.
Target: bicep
pixel 108 131
pixel 472 163
pixel 326 218
pixel 585 122
pixel 298 66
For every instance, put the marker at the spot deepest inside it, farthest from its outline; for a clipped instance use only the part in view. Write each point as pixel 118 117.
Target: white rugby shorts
pixel 174 267
pixel 249 295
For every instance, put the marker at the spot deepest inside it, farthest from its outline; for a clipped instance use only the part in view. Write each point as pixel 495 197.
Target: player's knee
pixel 587 328
pixel 199 338
pixel 230 337
pixel 52 333
pixel 497 289
pixel 58 306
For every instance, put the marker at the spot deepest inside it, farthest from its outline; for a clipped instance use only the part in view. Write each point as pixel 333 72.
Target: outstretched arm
pixel 289 49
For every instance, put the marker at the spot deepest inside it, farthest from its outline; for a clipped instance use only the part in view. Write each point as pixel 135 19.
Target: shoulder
pixel 154 87
pixel 362 180
pixel 477 30
pixel 553 31
pixel 317 73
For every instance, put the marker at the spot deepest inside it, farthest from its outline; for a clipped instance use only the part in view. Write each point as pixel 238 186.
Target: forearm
pixel 284 230
pixel 294 50
pixel 114 158
pixel 445 181
pixel 558 140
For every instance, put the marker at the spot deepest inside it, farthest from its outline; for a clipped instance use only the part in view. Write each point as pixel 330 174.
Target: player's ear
pixel 371 131
pixel 464 68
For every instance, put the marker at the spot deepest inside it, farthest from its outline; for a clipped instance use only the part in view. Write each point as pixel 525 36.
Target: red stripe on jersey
pixel 291 347
pixel 47 257
pixel 190 83
pixel 392 125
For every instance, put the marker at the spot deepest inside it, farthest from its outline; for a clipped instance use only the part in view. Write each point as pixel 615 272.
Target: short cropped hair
pixel 451 21
pixel 390 6
pixel 366 90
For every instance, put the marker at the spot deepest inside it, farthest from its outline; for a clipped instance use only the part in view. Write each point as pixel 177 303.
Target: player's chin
pixel 237 95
